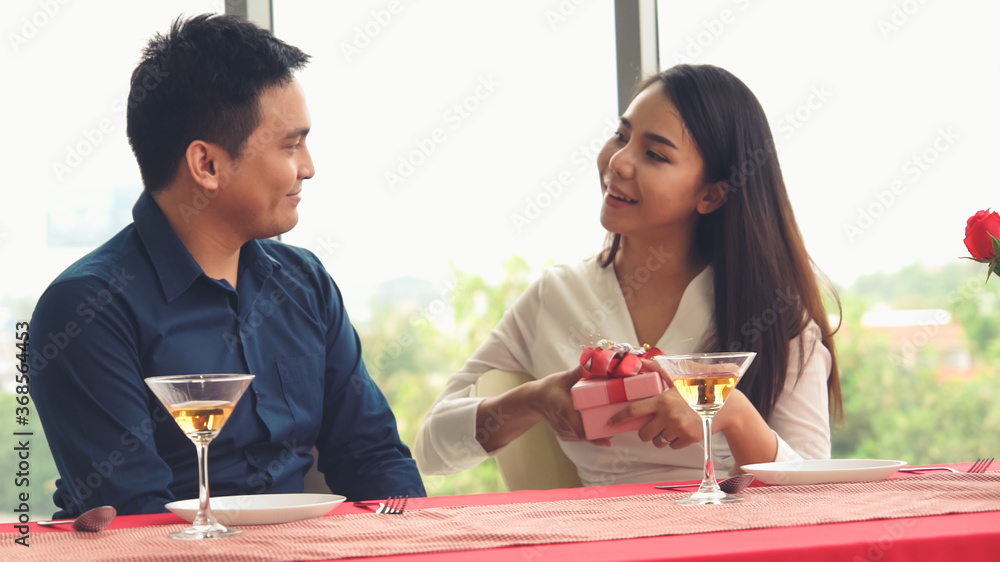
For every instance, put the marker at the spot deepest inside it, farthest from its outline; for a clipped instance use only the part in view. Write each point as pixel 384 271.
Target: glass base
pixel 198 532
pixel 709 498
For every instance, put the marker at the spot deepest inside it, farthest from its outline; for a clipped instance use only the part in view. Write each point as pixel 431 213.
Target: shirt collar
pixel 175 266
pixel 693 320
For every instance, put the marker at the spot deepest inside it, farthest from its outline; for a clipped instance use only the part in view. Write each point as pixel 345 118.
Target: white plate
pixel 817 471
pixel 260 509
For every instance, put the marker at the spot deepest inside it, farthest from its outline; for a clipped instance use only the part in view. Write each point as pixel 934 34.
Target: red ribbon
pixel 616 390
pixel 601 362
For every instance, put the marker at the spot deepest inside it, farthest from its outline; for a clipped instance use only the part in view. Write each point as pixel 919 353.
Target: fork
pixel 394 505
pixel 923 468
pixel 980 465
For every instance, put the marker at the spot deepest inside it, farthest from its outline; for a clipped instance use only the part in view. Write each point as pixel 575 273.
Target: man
pixel 218 125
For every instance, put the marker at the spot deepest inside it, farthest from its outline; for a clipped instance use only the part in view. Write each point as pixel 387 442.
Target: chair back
pixel 315 483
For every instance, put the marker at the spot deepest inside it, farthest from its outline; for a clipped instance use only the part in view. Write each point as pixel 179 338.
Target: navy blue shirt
pixel 140 306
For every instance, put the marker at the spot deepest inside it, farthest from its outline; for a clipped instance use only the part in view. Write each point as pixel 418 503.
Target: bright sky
pixel 466 132
pixel 884 113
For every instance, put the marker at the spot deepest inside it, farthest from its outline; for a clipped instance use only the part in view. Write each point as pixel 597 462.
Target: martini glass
pixel 705 381
pixel 201 404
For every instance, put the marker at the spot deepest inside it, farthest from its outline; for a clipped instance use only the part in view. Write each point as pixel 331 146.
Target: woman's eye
pixel 656 157
pixel 618 136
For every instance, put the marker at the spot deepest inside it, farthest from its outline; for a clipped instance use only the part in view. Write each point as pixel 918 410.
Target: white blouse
pixel 570 306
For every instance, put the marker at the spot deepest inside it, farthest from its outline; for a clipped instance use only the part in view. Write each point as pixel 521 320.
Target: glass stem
pixel 708 482
pixel 204 516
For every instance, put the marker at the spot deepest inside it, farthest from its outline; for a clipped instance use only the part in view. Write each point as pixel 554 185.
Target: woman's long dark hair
pixel 767 288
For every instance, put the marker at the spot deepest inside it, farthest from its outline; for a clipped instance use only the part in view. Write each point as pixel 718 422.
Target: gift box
pixel 597 391
pixel 595 421
pixel 599 398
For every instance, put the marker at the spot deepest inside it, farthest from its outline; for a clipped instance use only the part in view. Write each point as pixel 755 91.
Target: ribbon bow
pixel 608 359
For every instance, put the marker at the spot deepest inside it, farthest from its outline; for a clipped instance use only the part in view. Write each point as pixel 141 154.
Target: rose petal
pixel 978 229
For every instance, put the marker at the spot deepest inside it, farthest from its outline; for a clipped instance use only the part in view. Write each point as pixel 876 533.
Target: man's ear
pixel 713 196
pixel 205 162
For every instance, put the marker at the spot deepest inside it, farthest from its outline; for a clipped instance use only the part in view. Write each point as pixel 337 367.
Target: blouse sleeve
pixel 801 416
pixel 446 442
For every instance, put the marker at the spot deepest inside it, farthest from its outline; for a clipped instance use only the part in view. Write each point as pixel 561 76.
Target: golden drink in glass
pixel 705 380
pixel 199 417
pixel 201 404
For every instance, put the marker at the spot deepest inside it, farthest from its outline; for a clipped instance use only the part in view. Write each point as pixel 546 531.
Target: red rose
pixel 977 234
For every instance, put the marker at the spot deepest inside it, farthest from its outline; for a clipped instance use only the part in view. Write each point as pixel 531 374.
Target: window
pixel 882 112
pixel 885 122
pixel 71 178
pixel 451 131
pixel 447 132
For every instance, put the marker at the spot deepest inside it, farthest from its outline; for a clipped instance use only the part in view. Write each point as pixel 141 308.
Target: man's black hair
pixel 202 81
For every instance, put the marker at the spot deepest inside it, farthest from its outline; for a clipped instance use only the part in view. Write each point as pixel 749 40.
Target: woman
pixel 703 254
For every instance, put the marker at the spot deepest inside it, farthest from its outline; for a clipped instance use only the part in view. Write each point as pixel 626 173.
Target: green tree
pixel 895 405
pixel 33 474
pixel 415 341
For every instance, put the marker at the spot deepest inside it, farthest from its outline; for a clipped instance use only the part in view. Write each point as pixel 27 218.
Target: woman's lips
pixel 615 198
pixel 612 201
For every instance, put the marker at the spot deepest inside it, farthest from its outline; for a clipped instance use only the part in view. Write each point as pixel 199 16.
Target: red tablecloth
pixel 973 536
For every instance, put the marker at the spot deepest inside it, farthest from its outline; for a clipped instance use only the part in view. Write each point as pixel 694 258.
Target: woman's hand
pixel 674 423
pixel 554 404
pixel 501 419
